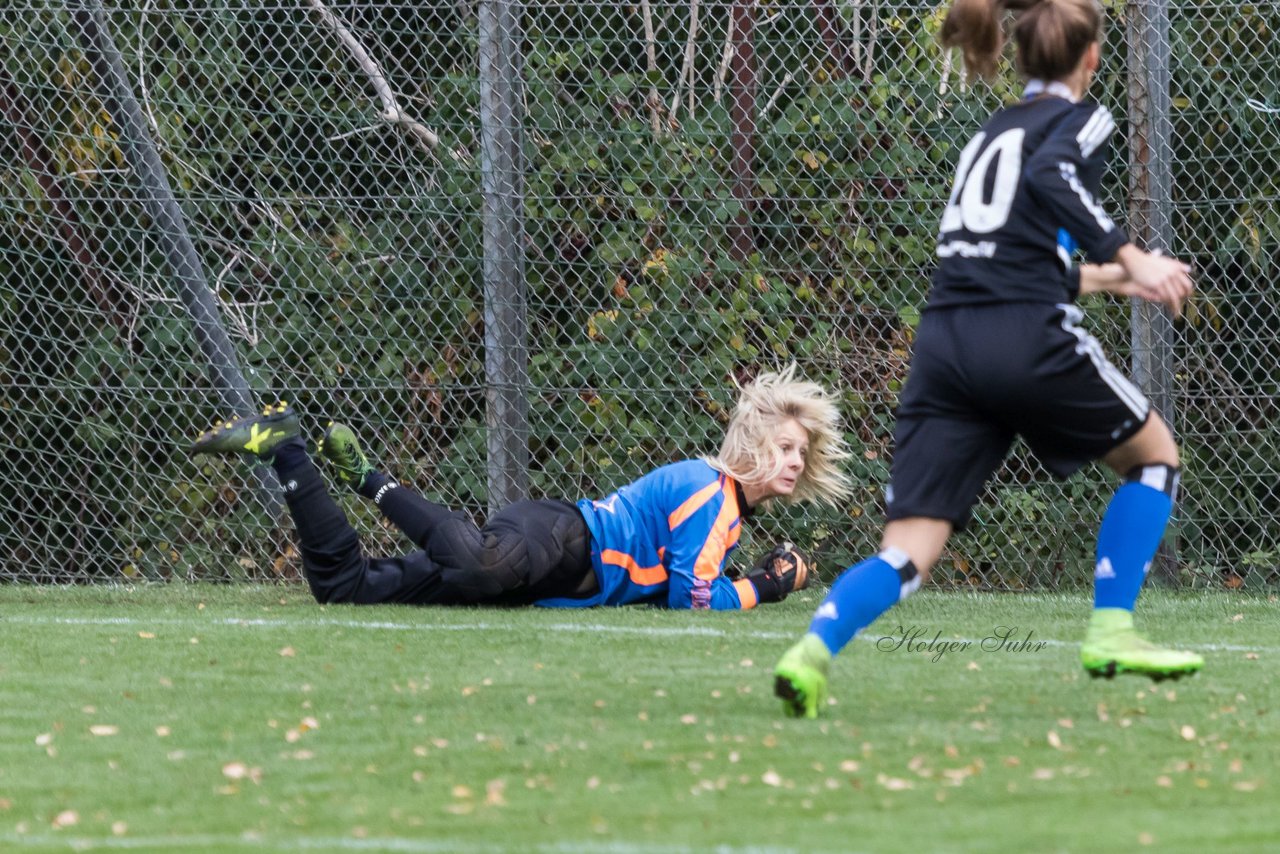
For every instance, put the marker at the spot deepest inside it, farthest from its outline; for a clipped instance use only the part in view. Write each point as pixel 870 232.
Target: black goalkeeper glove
pixel 783 569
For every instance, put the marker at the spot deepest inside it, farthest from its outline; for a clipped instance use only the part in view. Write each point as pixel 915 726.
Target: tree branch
pixel 654 100
pixel 428 139
pixel 686 71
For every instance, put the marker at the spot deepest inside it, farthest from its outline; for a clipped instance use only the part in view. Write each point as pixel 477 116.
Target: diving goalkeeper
pixel 663 539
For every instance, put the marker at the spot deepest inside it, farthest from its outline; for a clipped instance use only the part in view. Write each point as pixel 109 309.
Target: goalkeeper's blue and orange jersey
pixel 664 539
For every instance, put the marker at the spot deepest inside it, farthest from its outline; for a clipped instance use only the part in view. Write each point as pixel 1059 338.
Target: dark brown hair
pixel 1050 35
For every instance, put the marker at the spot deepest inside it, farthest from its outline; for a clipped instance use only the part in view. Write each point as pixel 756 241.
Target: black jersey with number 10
pixel 1024 197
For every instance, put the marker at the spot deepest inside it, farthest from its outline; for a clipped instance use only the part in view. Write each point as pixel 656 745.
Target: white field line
pixel 204 842
pixel 566 628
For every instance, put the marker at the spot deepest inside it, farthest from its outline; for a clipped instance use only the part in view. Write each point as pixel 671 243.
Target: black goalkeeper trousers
pixel 527 551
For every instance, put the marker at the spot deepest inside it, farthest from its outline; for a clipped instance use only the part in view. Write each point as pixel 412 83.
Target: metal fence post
pixel 169 223
pixel 505 312
pixel 1150 206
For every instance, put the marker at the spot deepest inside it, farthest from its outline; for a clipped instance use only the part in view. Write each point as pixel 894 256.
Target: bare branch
pixel 377 259
pixel 337 137
pixel 391 113
pixel 869 58
pixel 142 77
pixel 654 100
pixel 855 47
pixel 777 93
pixel 686 70
pixel 726 56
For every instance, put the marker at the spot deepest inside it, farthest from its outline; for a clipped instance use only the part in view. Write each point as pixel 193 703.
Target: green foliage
pixel 347 259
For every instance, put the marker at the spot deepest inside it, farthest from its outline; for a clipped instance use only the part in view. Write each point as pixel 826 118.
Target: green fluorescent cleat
pixel 341 448
pixel 800 678
pixel 1112 646
pixel 256 435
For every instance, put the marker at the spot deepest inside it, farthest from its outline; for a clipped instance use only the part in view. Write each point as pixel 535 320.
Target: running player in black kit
pixel 1000 351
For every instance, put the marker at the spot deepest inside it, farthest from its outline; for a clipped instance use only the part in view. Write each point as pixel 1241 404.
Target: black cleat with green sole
pixel 255 435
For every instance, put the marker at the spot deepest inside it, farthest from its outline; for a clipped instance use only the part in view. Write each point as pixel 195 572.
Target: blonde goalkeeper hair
pixel 749 453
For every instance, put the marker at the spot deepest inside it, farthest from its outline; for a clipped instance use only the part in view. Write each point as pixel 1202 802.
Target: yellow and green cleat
pixel 800 677
pixel 341 448
pixel 1112 646
pixel 256 435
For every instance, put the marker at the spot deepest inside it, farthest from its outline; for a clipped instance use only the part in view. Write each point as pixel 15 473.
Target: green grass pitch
pixel 231 719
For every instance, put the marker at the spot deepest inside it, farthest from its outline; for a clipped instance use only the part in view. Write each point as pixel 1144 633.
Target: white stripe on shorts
pixel 1130 395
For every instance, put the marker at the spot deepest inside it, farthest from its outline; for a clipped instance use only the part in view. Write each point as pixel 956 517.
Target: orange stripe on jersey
pixel 643 575
pixel 694 503
pixel 707 566
pixel 746 593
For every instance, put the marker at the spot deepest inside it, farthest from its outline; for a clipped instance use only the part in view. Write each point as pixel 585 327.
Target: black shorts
pixel 981 375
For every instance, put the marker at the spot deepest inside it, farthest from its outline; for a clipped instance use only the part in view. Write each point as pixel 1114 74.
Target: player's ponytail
pixel 974 27
pixel 1050 35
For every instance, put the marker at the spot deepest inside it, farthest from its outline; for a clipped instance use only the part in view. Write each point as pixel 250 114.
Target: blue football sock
pixel 863 592
pixel 1127 541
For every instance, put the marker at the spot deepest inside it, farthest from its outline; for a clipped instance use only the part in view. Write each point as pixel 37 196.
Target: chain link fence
pixel 525 249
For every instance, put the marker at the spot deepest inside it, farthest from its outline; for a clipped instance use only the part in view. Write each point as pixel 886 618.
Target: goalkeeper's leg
pixel 415 516
pixel 333 560
pixel 529 550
